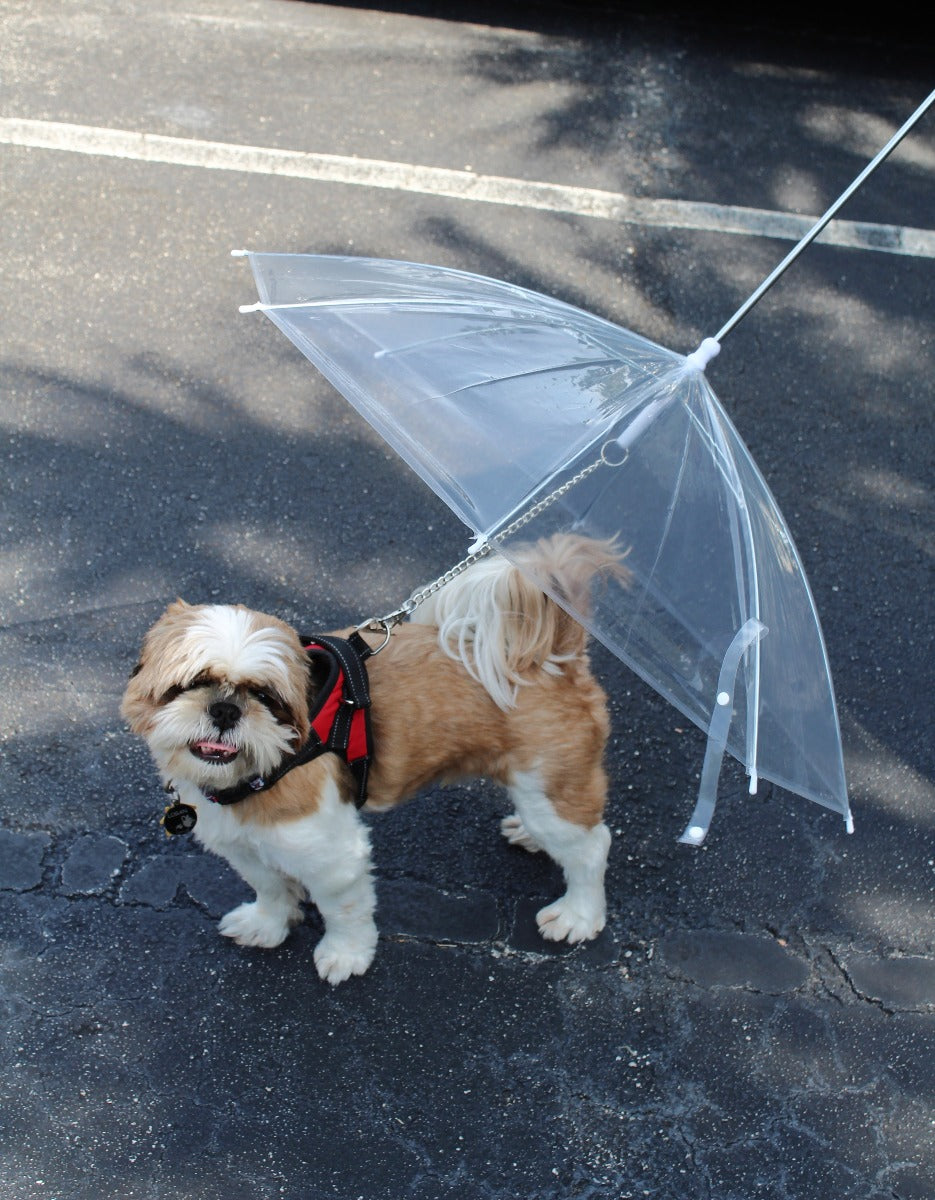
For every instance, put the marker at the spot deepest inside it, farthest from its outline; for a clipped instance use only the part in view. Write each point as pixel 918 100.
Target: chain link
pixel 531 513
pixel 388 623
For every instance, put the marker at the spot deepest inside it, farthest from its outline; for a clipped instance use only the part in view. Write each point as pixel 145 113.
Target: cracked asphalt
pixel 758 1019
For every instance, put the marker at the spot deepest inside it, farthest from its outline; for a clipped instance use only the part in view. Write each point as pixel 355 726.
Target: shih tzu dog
pixel 489 678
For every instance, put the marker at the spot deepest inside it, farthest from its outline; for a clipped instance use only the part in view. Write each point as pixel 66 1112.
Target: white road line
pixel 461 185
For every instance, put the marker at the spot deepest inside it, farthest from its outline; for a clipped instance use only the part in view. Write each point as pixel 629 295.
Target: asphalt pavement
pixel 758 1019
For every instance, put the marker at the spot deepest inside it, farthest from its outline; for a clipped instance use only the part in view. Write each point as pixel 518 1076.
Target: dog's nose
pixel 224 713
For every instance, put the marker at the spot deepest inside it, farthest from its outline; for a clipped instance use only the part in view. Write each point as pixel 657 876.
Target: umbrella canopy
pixel 528 416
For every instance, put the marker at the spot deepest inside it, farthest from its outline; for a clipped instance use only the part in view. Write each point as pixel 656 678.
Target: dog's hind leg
pixel 578 841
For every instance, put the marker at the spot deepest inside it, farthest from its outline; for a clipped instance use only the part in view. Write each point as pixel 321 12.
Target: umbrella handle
pixel 718 729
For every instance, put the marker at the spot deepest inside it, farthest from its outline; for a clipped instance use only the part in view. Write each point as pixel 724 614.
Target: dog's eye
pixel 203 680
pixel 179 689
pixel 274 704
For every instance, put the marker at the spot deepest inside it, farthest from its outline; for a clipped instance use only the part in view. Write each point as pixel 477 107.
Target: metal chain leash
pixel 388 623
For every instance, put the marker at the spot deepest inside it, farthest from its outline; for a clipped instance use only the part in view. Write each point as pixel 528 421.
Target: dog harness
pixel 340 720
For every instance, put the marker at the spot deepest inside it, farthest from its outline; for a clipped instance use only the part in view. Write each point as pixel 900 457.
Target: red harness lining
pixel 323 723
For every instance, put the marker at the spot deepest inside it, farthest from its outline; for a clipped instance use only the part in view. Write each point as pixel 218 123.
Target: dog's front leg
pixel 329 853
pixel 265 921
pixel 346 905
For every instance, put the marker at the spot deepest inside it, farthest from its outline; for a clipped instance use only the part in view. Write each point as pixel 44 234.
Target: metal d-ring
pixel 608 462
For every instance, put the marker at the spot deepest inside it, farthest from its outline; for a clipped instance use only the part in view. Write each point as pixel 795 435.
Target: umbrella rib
pixel 531 374
pixel 448 337
pixel 374 301
pixel 717 452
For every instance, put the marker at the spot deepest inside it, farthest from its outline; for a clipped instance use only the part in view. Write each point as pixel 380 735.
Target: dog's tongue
pixel 214 749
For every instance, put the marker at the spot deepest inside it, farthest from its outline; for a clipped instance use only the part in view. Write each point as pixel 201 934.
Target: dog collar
pixel 340 724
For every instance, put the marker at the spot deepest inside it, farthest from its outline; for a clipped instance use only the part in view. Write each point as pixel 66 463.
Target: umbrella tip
pixel 698 360
pixel 694 835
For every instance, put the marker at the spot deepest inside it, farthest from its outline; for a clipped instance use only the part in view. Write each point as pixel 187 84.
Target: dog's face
pixel 220 694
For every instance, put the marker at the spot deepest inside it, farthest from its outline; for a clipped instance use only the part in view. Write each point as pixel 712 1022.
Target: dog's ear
pixel 142 689
pixel 136 707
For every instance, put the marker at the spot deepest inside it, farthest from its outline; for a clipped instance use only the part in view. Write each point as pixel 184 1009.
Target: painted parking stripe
pixel 461 185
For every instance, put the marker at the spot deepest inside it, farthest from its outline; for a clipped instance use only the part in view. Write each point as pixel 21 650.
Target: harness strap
pixel 340 719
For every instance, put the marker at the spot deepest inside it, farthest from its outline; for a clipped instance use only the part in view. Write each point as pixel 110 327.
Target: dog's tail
pixel 504 628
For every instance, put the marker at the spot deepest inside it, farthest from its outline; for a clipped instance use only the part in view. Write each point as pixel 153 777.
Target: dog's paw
pixel 570 921
pixel 256 925
pixel 515 833
pixel 338 958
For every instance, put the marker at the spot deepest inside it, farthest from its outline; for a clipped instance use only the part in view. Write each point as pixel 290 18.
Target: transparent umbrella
pixel 528 417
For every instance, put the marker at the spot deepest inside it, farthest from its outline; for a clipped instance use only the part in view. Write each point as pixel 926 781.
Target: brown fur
pixel 560 725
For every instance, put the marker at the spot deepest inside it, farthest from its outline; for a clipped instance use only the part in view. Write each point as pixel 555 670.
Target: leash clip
pixel 375 625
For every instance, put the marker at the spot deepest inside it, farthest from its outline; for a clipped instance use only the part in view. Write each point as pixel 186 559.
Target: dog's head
pixel 220 694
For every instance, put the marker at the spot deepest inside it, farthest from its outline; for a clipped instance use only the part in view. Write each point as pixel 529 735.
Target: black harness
pixel 340 720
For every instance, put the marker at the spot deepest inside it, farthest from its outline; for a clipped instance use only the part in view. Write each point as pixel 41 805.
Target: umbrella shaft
pixel 824 220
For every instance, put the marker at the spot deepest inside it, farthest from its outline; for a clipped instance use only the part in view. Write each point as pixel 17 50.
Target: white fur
pixel 471 614
pixel 262 742
pixel 326 855
pixel 581 853
pixel 229 641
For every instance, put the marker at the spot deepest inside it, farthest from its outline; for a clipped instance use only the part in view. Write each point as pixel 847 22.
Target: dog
pixel 488 678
